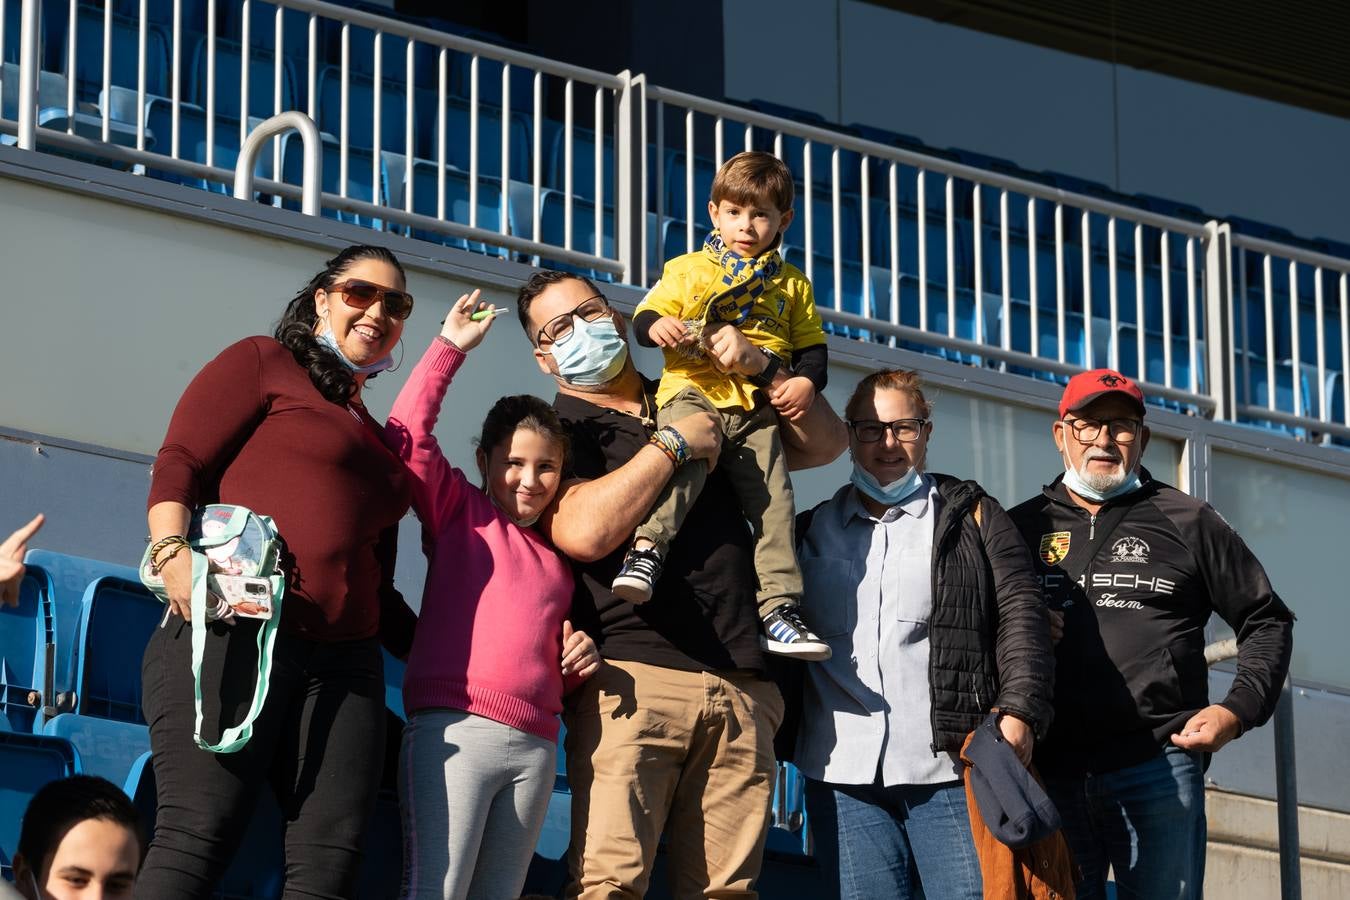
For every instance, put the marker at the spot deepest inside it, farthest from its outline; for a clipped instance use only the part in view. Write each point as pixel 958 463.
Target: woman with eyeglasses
pixel 278 425
pixel 925 592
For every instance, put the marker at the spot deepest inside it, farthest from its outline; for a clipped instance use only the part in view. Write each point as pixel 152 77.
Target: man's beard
pixel 1102 482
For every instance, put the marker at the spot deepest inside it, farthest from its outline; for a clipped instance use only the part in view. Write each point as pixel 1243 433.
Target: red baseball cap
pixel 1085 387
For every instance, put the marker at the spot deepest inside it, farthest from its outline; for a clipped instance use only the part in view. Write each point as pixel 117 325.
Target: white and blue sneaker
pixel 640 571
pixel 785 634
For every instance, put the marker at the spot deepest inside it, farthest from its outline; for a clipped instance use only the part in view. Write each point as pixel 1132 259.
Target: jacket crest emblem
pixel 1054 547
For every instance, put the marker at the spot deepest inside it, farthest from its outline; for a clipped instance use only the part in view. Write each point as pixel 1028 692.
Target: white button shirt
pixel 869 594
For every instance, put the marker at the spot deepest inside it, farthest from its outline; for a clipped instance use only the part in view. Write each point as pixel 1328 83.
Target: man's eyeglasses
pixel 362 294
pixel 559 329
pixel 869 431
pixel 1122 431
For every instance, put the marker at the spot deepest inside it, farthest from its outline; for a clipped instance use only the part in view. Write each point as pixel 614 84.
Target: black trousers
pixel 319 744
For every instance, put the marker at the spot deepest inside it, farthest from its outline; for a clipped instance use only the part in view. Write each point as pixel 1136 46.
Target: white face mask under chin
pixel 1098 489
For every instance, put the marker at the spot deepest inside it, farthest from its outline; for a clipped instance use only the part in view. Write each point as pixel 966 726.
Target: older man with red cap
pixel 1135 568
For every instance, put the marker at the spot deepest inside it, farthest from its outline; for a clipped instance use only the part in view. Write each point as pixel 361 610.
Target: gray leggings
pixel 474 793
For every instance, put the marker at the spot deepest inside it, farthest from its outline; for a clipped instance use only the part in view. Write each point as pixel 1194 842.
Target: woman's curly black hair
pixel 295 329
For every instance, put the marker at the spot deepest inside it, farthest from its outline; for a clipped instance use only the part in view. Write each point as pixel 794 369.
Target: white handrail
pixel 312 174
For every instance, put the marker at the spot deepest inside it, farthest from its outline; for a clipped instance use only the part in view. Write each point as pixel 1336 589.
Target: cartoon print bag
pixel 235 572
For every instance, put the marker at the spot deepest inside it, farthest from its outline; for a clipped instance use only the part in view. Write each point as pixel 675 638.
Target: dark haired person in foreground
pixel 80 840
pixel 1136 568
pixel 278 425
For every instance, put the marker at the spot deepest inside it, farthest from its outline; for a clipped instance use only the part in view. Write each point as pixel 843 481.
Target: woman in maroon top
pixel 278 425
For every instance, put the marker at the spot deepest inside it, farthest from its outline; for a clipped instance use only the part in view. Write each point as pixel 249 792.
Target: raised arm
pixel 412 421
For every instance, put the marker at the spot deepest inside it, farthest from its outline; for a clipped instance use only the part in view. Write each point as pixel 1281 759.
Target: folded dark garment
pixel 1012 803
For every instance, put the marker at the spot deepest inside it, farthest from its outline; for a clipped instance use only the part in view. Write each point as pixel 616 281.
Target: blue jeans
pixel 908 841
pixel 1146 822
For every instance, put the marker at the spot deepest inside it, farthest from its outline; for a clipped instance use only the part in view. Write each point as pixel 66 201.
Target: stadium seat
pixel 25 637
pixel 192 144
pixel 107 748
pixel 229 75
pixel 125 47
pixel 69 577
pixel 361 110
pixel 553 216
pixel 426 184
pixel 583 164
pixel 489 140
pixel 27 762
pixel 51 88
pixel 116 622
pixel 360 183
pixel 676 169
pixel 490 80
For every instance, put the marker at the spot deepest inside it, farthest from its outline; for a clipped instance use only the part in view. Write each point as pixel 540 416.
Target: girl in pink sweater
pixel 494 652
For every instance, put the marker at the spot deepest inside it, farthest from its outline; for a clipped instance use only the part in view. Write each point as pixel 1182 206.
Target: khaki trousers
pixel 752 458
pixel 691 753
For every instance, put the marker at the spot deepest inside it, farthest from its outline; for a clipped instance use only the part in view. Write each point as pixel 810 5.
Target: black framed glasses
pixel 559 328
pixel 1122 431
pixel 362 295
pixel 869 431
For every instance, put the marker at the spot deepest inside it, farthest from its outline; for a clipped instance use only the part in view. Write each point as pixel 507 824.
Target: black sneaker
pixel 787 635
pixel 640 571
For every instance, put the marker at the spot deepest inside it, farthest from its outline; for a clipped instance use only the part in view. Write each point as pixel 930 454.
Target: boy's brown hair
pixel 753 176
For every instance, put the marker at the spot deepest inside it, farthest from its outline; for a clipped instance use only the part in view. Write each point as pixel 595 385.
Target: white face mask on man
pixel 1096 487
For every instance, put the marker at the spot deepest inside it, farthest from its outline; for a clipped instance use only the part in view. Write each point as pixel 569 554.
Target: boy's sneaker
pixel 640 571
pixel 787 635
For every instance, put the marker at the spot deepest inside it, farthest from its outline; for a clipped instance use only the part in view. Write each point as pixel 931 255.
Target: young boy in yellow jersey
pixel 738 280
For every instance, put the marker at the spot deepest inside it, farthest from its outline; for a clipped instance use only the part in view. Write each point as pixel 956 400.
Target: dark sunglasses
pixel 361 294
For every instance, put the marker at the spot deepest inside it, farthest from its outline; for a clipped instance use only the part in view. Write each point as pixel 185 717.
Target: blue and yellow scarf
pixel 743 281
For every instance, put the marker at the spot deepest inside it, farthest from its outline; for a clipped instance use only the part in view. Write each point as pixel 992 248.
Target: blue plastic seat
pixel 229 75
pixel 69 577
pixel 360 183
pixel 107 748
pixel 490 81
pixel 676 168
pixel 553 217
pixel 25 631
pixel 583 164
pixel 27 762
pixel 192 144
pixel 118 618
pixel 489 140
pixel 51 89
pixel 361 110
pixel 125 46
pixel 426 184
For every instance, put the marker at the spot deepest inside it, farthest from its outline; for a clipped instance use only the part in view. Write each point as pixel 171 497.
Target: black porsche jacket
pixel 1137 583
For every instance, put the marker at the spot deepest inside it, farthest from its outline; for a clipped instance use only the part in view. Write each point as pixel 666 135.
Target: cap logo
pixel 1110 380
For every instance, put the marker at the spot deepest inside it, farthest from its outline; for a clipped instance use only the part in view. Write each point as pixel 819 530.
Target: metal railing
pixel 448 138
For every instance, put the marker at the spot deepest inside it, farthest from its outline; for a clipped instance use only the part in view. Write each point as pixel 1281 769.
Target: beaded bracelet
pixel 673 444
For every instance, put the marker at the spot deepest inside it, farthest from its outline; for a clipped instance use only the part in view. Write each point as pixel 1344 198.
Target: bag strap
pixel 235 737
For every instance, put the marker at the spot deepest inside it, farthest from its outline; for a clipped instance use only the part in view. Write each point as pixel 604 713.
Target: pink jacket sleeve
pixel 439 487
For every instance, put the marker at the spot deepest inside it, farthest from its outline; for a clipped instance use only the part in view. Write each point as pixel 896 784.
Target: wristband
pixel 673 444
pixel 765 378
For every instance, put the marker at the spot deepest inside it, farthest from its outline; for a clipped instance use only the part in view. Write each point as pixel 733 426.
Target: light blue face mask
pixel 593 354
pixel 891 494
pixel 1074 482
pixel 326 338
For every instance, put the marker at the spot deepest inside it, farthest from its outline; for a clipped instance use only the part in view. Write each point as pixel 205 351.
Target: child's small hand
pixel 580 656
pixel 793 397
pixel 461 330
pixel 669 331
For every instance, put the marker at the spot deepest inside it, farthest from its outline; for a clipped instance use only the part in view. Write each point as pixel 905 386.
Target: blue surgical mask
pixel 326 338
pixel 594 353
pixel 1074 482
pixel 891 494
